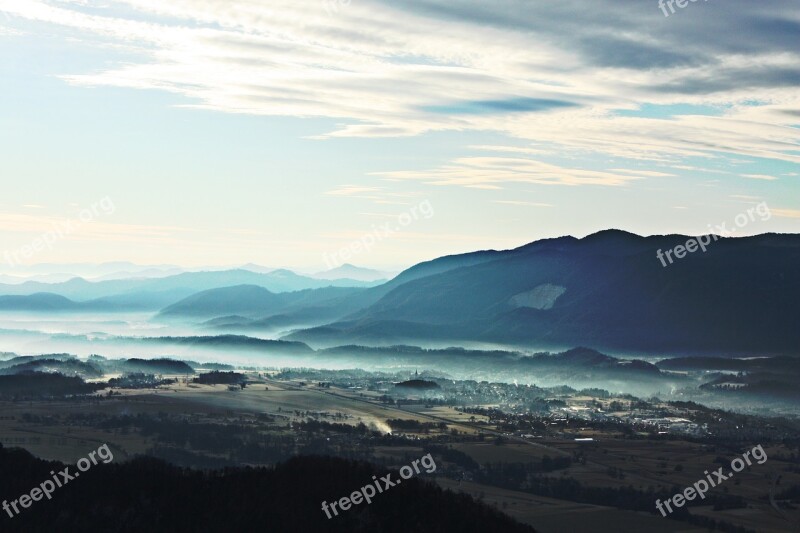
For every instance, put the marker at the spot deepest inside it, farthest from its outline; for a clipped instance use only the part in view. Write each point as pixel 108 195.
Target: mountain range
pixel 607 290
pixel 157 293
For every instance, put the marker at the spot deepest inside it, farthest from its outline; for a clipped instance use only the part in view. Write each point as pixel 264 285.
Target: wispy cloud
pixel 495 172
pixel 746 197
pixel 378 195
pixel 352 190
pixel 786 213
pixel 555 75
pixel 764 177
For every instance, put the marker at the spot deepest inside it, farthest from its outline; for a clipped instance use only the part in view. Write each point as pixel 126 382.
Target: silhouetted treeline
pixel 414 425
pixel 220 378
pixel 316 426
pixel 67 367
pixel 149 495
pixel 138 380
pixel 39 385
pixel 454 456
pixel 148 366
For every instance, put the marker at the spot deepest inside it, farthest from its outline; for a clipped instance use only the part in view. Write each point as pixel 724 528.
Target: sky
pixel 305 134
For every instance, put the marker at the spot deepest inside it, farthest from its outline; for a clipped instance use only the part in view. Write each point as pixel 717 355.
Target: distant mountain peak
pixel 351 271
pixel 253 267
pixel 611 233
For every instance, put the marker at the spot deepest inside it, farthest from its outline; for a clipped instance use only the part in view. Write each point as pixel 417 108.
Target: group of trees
pixel 404 424
pixel 146 494
pixel 221 378
pixel 40 385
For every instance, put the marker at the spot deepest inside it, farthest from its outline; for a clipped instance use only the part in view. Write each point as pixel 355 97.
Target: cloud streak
pixel 490 172
pixel 553 74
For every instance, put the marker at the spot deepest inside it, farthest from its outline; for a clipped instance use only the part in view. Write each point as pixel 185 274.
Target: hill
pixel 607 290
pixel 253 301
pixel 41 301
pixel 149 495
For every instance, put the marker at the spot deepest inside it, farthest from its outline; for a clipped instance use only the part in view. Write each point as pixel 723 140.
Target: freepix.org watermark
pixel 664 4
pixel 46 488
pixel 721 230
pixel 60 230
pixel 712 480
pixel 365 243
pixel 378 486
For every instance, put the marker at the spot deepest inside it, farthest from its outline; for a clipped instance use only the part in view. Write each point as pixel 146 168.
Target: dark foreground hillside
pixel 148 495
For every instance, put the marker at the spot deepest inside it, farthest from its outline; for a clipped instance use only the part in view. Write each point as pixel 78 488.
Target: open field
pixel 65 430
pixel 550 515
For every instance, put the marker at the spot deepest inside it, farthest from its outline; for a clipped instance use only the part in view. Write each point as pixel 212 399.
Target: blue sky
pixel 228 132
